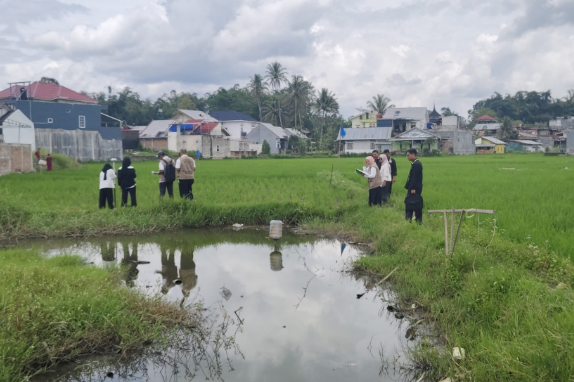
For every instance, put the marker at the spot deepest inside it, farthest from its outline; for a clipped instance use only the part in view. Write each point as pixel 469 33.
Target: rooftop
pixel 157 129
pixel 230 115
pixel 408 113
pixel 486 118
pixel 496 141
pixel 367 133
pixel 47 92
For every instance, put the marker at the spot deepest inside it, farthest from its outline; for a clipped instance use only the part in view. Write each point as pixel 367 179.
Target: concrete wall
pixel 458 142
pixel 214 146
pixel 15 158
pixel 234 128
pixel 82 145
pixel 154 143
pixel 570 141
pixel 20 135
pixel 364 146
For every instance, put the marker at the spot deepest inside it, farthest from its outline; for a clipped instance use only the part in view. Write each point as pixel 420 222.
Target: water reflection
pixel 301 321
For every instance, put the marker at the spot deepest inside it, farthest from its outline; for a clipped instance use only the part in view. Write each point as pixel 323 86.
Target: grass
pixel 55 309
pixel 506 298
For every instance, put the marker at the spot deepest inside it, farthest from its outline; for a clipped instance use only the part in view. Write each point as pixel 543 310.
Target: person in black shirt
pixel 377 158
pixel 127 182
pixel 393 171
pixel 414 186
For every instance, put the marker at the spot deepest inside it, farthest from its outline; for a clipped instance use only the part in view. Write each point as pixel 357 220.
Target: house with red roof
pixel 65 121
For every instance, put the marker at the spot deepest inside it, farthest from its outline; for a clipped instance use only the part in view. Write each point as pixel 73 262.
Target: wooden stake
pixel 457 230
pixel 445 234
pixel 332 166
pixel 452 229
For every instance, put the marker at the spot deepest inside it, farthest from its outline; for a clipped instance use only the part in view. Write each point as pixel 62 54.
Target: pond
pixel 283 312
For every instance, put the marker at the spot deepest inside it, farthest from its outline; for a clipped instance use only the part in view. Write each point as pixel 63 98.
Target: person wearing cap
pixel 163 184
pixel 393 171
pixel 185 167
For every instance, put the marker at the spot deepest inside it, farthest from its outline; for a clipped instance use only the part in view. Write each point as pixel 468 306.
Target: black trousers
pixel 385 193
pixel 107 194
pixel 132 193
pixel 166 186
pixel 185 188
pixel 418 215
pixel 389 188
pixel 376 196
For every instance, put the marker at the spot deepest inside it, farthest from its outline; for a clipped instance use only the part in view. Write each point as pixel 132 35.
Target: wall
pixel 130 139
pixel 20 135
pixel 81 145
pixel 209 147
pixel 459 142
pixel 154 143
pixel 364 146
pixel 262 133
pixel 235 127
pixel 15 158
pixel 570 141
pixel 403 146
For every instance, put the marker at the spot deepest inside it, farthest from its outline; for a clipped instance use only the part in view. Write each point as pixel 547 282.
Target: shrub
pixel 265 149
pixel 62 162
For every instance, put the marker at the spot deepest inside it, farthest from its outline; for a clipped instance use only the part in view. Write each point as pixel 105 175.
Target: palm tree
pixel 276 75
pixel 506 131
pixel 380 104
pixel 299 93
pixel 324 104
pixel 570 96
pixel 271 112
pixel 257 88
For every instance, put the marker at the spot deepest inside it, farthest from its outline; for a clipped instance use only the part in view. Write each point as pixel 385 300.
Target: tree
pixel 294 142
pixel 379 104
pixel 258 88
pixel 447 112
pixel 276 75
pixel 265 148
pixel 185 103
pixel 506 130
pixel 272 112
pixel 325 104
pixel 299 92
pixel 49 80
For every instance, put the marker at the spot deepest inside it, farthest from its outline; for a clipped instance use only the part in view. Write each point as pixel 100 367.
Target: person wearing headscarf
pixel 373 175
pixel 107 176
pixel 127 182
pixel 385 176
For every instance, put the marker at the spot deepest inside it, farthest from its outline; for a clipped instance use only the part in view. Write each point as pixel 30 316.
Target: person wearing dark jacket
pixel 393 171
pixel 127 182
pixel 414 186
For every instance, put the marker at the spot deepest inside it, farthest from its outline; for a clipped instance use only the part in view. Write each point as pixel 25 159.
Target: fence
pixel 81 145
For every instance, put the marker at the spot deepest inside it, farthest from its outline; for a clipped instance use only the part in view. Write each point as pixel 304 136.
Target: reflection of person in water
pixel 108 250
pixel 168 268
pixel 187 271
pixel 130 260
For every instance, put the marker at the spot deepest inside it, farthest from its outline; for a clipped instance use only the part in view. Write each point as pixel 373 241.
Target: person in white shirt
pixel 373 175
pixel 165 184
pixel 185 167
pixel 386 177
pixel 107 186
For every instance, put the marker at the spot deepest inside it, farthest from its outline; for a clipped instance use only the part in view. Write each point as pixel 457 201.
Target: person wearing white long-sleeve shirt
pixel 107 185
pixel 386 177
pixel 373 175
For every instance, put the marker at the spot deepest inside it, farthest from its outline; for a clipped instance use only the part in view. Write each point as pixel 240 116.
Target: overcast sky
pixel 416 52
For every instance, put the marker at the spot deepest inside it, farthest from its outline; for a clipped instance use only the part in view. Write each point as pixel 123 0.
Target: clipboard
pixel 360 172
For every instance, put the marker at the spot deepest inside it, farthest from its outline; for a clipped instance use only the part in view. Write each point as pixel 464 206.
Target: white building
pixel 16 127
pixel 403 119
pixel 365 140
pixel 451 123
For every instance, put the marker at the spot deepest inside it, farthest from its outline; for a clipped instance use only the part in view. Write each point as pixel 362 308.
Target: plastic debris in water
pixel 226 293
pixel 458 353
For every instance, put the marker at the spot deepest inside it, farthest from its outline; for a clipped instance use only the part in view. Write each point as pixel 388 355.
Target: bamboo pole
pixel 457 230
pixel 452 228
pixel 445 234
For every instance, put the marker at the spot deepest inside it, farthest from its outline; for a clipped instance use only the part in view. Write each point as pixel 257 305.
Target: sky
pixel 416 52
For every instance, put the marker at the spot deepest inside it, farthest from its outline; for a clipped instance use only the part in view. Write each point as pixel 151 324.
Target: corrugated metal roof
pixel 367 133
pixel 415 134
pixel 410 113
pixel 49 92
pixel 198 114
pixel 157 128
pixel 525 142
pixel 296 133
pixel 276 130
pixel 487 126
pixel 496 141
pixel 230 115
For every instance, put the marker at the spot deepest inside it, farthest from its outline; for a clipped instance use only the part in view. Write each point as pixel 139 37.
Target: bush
pixel 265 149
pixel 62 162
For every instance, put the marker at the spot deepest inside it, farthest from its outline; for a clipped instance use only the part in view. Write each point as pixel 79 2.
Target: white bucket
pixel 275 229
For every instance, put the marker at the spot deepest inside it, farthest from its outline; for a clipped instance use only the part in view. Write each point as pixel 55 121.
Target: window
pixel 50 120
pixel 82 121
pixel 217 148
pixel 278 144
pixel 349 146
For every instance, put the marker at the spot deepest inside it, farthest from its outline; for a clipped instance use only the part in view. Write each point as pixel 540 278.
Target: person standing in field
pixel 373 175
pixel 166 175
pixel 107 176
pixel 127 182
pixel 385 171
pixel 414 186
pixel 393 171
pixel 49 162
pixel 377 158
pixel 185 167
pixel 37 153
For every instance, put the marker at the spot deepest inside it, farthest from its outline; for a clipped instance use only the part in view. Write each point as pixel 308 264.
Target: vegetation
pixel 380 104
pixel 505 296
pixel 265 148
pixel 54 310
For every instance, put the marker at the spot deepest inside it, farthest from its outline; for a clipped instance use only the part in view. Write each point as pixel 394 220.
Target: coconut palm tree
pixel 276 75
pixel 299 93
pixel 257 87
pixel 379 104
pixel 325 104
pixel 272 112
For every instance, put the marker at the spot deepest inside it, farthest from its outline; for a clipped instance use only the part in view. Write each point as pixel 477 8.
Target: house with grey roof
pixel 184 115
pixel 486 128
pixel 365 140
pixel 403 119
pixel 276 137
pixel 416 138
pixel 154 136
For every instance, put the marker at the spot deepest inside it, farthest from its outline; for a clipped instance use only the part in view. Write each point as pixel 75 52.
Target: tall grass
pixel 53 310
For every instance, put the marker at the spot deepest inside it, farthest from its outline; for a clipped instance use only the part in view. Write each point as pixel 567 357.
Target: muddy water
pixel 289 312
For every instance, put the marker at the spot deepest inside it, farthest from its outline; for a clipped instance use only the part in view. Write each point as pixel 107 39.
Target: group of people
pixel 381 172
pixel 183 171
pixel 48 160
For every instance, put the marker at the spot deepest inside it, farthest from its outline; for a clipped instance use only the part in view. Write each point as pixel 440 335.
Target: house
pixel 526 146
pixel 130 139
pixel 403 119
pixel 65 121
pixel 365 140
pixel 154 136
pixel 289 131
pixel 274 135
pixel 210 138
pixel 487 129
pixel 365 119
pixel 237 124
pixel 458 142
pixel 490 144
pixel 416 138
pixel 15 127
pixel 184 115
pixel 561 123
pixel 451 123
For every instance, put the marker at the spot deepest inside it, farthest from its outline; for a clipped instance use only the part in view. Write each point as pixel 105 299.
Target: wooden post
pixel 452 229
pixel 457 230
pixel 332 166
pixel 445 234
